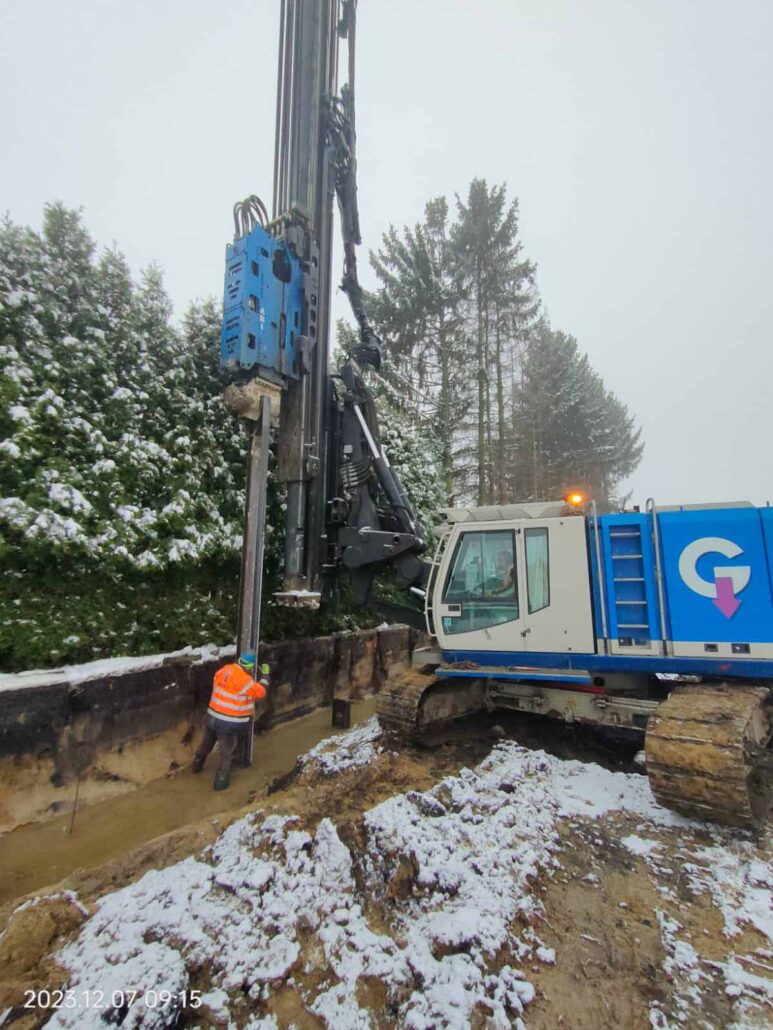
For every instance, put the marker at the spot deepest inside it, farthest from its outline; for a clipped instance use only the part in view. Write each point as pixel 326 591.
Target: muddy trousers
pixel 226 734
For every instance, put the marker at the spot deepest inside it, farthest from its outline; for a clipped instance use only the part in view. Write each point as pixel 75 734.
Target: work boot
pixel 197 764
pixel 222 779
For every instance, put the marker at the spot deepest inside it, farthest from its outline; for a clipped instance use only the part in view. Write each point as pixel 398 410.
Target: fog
pixel 636 135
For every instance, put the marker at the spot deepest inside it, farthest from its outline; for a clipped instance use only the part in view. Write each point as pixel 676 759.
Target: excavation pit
pixel 94 759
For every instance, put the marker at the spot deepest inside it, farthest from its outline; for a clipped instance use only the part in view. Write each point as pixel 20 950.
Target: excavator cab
pixel 512 579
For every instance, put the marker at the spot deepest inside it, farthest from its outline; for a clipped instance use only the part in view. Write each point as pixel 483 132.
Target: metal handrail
pixel 429 621
pixel 650 507
pixel 602 588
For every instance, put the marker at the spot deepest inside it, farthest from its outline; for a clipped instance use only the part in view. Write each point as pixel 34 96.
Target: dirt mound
pixel 343 781
pixel 29 936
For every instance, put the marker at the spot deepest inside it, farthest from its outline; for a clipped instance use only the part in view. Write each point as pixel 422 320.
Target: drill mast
pixel 345 506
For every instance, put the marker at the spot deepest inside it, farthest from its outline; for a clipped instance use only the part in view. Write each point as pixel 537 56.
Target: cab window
pixel 482 581
pixel 537 569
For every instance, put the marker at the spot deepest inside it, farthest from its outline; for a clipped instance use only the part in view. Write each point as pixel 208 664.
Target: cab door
pixel 477 604
pixel 555 585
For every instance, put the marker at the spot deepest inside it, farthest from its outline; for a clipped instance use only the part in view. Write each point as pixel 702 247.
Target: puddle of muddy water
pixel 40 854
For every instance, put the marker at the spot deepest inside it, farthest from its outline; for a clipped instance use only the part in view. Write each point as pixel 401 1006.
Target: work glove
pixel 264 671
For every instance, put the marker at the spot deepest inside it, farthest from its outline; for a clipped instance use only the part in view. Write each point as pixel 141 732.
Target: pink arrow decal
pixel 726 600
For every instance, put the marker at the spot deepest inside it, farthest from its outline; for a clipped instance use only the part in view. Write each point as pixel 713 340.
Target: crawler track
pixel 400 700
pixel 415 703
pixel 708 753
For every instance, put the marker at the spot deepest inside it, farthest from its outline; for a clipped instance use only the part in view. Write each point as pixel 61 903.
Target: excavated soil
pixel 603 907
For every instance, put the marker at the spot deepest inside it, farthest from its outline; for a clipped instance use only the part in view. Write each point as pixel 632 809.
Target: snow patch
pixel 68 497
pixel 19 413
pixel 639 845
pixel 740 885
pixel 105 668
pixel 11 449
pixel 335 755
pixel 237 912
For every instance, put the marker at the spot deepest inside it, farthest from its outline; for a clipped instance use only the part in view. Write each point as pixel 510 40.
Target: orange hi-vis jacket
pixel 234 694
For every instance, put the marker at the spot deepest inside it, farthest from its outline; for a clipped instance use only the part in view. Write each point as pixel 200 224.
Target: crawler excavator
pixel 659 623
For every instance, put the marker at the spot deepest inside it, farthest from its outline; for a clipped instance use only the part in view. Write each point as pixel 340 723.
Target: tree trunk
pixel 489 439
pixel 446 425
pixel 481 396
pixel 501 471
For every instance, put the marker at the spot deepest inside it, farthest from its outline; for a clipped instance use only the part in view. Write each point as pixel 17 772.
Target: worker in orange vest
pixel 231 707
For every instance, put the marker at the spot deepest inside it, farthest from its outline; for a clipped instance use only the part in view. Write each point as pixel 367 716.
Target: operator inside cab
pixel 503 578
pixel 231 708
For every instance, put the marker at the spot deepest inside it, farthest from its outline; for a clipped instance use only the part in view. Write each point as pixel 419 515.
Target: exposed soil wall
pixel 118 730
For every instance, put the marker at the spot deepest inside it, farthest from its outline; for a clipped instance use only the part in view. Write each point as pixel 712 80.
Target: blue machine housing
pixel 263 308
pixel 686 590
pixel 716 582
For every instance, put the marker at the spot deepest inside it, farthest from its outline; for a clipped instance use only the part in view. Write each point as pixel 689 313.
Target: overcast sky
pixel 635 133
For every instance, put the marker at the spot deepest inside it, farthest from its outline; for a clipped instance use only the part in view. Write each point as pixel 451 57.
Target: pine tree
pixel 573 431
pixel 502 300
pixel 519 411
pixel 419 310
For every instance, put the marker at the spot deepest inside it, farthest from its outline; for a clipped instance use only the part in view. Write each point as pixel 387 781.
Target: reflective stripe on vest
pixel 231 698
pixel 231 706
pixel 228 718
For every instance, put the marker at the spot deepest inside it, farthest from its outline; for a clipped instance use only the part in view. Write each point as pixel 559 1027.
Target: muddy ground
pixel 607 912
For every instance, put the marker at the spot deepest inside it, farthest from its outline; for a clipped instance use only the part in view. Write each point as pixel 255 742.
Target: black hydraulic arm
pixel 380 525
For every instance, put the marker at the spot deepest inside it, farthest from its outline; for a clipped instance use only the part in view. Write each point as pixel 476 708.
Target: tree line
pixel 518 411
pixel 122 471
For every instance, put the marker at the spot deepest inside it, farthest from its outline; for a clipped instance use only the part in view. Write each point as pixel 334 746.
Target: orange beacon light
pixel 575 498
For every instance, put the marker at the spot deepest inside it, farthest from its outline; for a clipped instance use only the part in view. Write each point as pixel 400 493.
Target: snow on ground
pixel 439 906
pixel 105 667
pixel 739 883
pixel 335 755
pixel 692 976
pixel 741 887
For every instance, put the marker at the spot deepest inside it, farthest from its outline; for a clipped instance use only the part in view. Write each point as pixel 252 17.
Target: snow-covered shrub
pixel 121 470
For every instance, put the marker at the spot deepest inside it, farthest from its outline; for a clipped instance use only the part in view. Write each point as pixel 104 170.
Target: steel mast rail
pixel 275 332
pixel 275 337
pixel 307 76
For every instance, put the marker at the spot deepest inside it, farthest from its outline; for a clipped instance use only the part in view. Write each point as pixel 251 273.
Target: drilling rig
pixel 345 505
pixel 657 623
